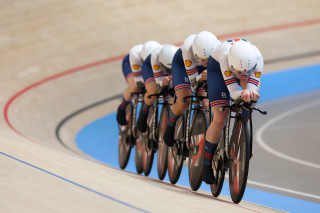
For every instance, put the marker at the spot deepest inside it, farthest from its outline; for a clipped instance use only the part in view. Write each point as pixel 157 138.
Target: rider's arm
pixel 157 71
pixel 136 65
pixel 254 79
pixel 229 78
pixel 189 60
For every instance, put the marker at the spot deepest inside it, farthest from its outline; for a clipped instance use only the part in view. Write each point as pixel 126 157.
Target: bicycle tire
pixel 125 140
pixel 240 155
pixel 162 147
pixel 148 151
pixel 138 155
pixel 175 153
pixel 218 166
pixel 219 174
pixel 196 153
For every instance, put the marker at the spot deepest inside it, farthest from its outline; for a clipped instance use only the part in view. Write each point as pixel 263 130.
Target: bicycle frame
pixel 238 108
pixel 195 105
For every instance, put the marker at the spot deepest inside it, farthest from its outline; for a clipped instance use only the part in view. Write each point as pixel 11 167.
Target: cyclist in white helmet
pixel 132 70
pixel 189 65
pixel 236 62
pixel 156 74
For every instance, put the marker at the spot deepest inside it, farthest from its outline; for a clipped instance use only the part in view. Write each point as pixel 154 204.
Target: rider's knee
pixel 133 88
pixel 219 123
pixel 219 120
pixel 152 90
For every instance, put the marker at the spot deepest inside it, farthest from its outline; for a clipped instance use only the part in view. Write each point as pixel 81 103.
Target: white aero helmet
pixel 136 50
pixel 204 44
pixel 147 48
pixel 242 56
pixel 166 55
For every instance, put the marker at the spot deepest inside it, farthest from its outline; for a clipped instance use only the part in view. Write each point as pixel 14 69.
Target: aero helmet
pixel 204 44
pixel 166 55
pixel 242 56
pixel 147 48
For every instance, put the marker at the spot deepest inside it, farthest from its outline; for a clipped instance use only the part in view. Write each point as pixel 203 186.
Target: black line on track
pixel 63 121
pixel 292 57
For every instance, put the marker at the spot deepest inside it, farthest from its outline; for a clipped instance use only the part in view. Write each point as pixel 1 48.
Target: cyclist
pixel 131 68
pixel 156 74
pixel 189 65
pixel 236 62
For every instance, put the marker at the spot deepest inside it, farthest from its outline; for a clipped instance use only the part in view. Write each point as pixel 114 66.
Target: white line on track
pixel 269 123
pixel 283 189
pixel 251 182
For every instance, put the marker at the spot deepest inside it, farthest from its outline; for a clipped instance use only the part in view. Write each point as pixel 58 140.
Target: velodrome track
pixel 40 40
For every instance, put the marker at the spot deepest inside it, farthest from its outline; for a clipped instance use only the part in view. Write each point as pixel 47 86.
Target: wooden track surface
pixel 40 39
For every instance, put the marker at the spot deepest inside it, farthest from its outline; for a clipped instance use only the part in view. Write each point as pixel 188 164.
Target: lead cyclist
pixel 236 62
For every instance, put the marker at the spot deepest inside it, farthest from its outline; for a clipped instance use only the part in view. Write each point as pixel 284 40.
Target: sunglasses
pixel 238 72
pixel 200 59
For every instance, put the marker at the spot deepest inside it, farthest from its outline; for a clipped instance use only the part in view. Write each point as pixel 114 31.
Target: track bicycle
pixel 129 135
pixel 150 138
pixel 189 135
pixel 234 150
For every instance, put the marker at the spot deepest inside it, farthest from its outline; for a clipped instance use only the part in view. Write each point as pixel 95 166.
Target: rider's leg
pixel 151 88
pixel 219 96
pixel 175 112
pixel 213 136
pixel 121 112
pixel 182 88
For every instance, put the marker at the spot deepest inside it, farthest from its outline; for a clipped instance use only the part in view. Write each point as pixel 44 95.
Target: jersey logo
pixel 257 74
pixel 227 73
pixel 135 66
pixel 156 67
pixel 188 63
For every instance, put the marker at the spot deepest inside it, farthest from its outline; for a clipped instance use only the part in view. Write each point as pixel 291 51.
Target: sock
pixel 173 118
pixel 145 108
pixel 124 104
pixel 208 154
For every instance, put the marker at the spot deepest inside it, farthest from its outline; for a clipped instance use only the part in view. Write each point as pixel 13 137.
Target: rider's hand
pixel 249 95
pixel 254 95
pixel 246 96
pixel 166 80
pixel 204 75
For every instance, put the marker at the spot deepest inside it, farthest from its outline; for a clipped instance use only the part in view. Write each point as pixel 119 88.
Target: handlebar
pixel 141 88
pixel 240 103
pixel 162 93
pixel 194 96
pixel 136 93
